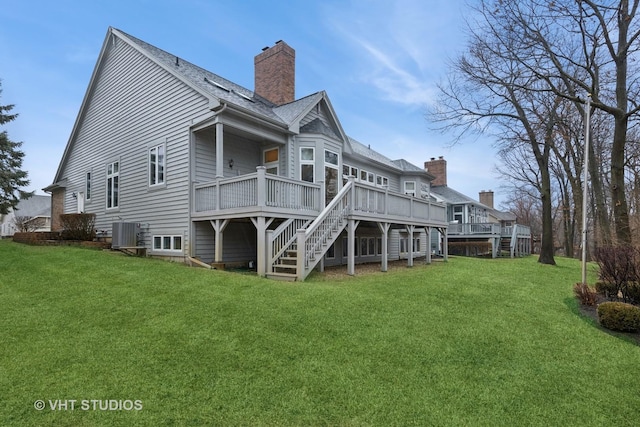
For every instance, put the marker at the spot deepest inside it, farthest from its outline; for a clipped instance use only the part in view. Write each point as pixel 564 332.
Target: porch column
pixel 384 229
pixel 410 230
pixel 218 227
pixel 428 254
pixel 445 243
pixel 351 238
pixel 261 224
pixel 219 151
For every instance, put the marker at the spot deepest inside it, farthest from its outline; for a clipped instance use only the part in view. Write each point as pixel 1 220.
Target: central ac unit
pixel 124 235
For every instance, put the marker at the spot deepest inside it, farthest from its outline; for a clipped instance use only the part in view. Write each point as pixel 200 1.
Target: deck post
pixel 428 254
pixel 219 150
pixel 410 230
pixel 218 227
pixel 300 262
pixel 384 229
pixel 445 244
pixel 351 255
pixel 262 186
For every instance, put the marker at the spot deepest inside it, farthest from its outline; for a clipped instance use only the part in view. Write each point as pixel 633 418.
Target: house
pixel 192 167
pixel 475 226
pixel 33 214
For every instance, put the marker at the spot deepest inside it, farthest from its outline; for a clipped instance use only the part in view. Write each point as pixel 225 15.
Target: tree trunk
pixel 618 195
pixel 546 246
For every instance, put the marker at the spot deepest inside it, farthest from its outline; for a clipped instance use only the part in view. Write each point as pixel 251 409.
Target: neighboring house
pixel 474 224
pixel 191 166
pixel 35 212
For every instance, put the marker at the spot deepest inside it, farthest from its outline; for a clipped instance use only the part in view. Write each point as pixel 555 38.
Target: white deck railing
pixel 379 201
pixel 258 189
pixel 469 229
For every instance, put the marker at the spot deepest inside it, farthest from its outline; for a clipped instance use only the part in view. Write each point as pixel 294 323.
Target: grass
pixel 468 342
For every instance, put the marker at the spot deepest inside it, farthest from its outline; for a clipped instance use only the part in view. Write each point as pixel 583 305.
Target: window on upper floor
pixel 87 185
pixel 410 188
pixel 113 185
pixel 271 160
pixel 157 165
pixel 307 164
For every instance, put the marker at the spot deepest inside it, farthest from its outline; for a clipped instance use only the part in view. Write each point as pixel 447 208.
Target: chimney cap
pixel 433 158
pixel 441 157
pixel 278 42
pixel 265 48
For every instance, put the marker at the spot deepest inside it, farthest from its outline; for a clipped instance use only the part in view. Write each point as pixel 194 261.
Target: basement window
pixel 167 243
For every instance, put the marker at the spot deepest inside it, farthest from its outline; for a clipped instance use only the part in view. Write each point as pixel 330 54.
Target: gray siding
pixel 133 104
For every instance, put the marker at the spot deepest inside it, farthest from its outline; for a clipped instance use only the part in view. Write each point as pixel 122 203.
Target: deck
pixel 262 194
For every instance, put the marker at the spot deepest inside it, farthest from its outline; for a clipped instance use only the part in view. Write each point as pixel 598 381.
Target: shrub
pixel 619 266
pixel 78 226
pixel 585 294
pixel 632 293
pixel 619 316
pixel 607 290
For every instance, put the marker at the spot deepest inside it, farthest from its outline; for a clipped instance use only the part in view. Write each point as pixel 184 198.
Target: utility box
pixel 124 235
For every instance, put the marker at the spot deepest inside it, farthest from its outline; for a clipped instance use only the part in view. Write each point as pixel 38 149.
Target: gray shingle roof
pixel 226 90
pixel 209 82
pixel 34 206
pixel 453 197
pixel 366 152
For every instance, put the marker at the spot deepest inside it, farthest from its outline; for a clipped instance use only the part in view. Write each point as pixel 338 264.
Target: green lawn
pixel 469 342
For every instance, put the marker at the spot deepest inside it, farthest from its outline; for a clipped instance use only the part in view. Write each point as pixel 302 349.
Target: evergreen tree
pixel 12 178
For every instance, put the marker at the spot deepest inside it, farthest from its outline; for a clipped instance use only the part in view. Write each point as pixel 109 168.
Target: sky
pixel 378 61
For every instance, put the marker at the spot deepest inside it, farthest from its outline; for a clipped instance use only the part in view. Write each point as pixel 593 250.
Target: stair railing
pixel 281 239
pixel 314 241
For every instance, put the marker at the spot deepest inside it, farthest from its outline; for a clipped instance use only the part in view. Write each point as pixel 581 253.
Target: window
pixel 156 165
pixel 87 186
pixel 167 243
pixel 330 175
pixel 410 188
pixel 457 214
pixel 348 171
pixel 113 185
pixel 330 157
pixel 307 162
pixel 271 159
pixel 382 181
pixel 331 252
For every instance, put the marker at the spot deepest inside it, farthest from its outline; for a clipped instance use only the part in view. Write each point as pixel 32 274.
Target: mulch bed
pixel 590 312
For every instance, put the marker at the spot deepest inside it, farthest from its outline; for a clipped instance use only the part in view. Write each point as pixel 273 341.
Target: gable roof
pixel 220 90
pixel 453 197
pixel 34 206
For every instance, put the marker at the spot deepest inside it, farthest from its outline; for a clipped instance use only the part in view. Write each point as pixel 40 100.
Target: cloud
pixel 399 46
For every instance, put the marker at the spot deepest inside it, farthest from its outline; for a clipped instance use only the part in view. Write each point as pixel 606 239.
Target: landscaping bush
pixel 585 294
pixel 632 293
pixel 619 266
pixel 619 316
pixel 78 226
pixel 607 290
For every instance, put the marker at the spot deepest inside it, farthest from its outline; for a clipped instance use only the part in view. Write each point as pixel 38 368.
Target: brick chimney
pixel 438 168
pixel 486 198
pixel 275 70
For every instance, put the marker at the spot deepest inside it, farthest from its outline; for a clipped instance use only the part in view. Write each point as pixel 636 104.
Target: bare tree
pixel 590 47
pixel 490 90
pixel 27 224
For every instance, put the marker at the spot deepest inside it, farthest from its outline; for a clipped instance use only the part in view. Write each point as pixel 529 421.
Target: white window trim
pixel 410 192
pixel 274 164
pixel 111 177
pixel 172 243
pixel 88 184
pixel 158 183
pixel 311 162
